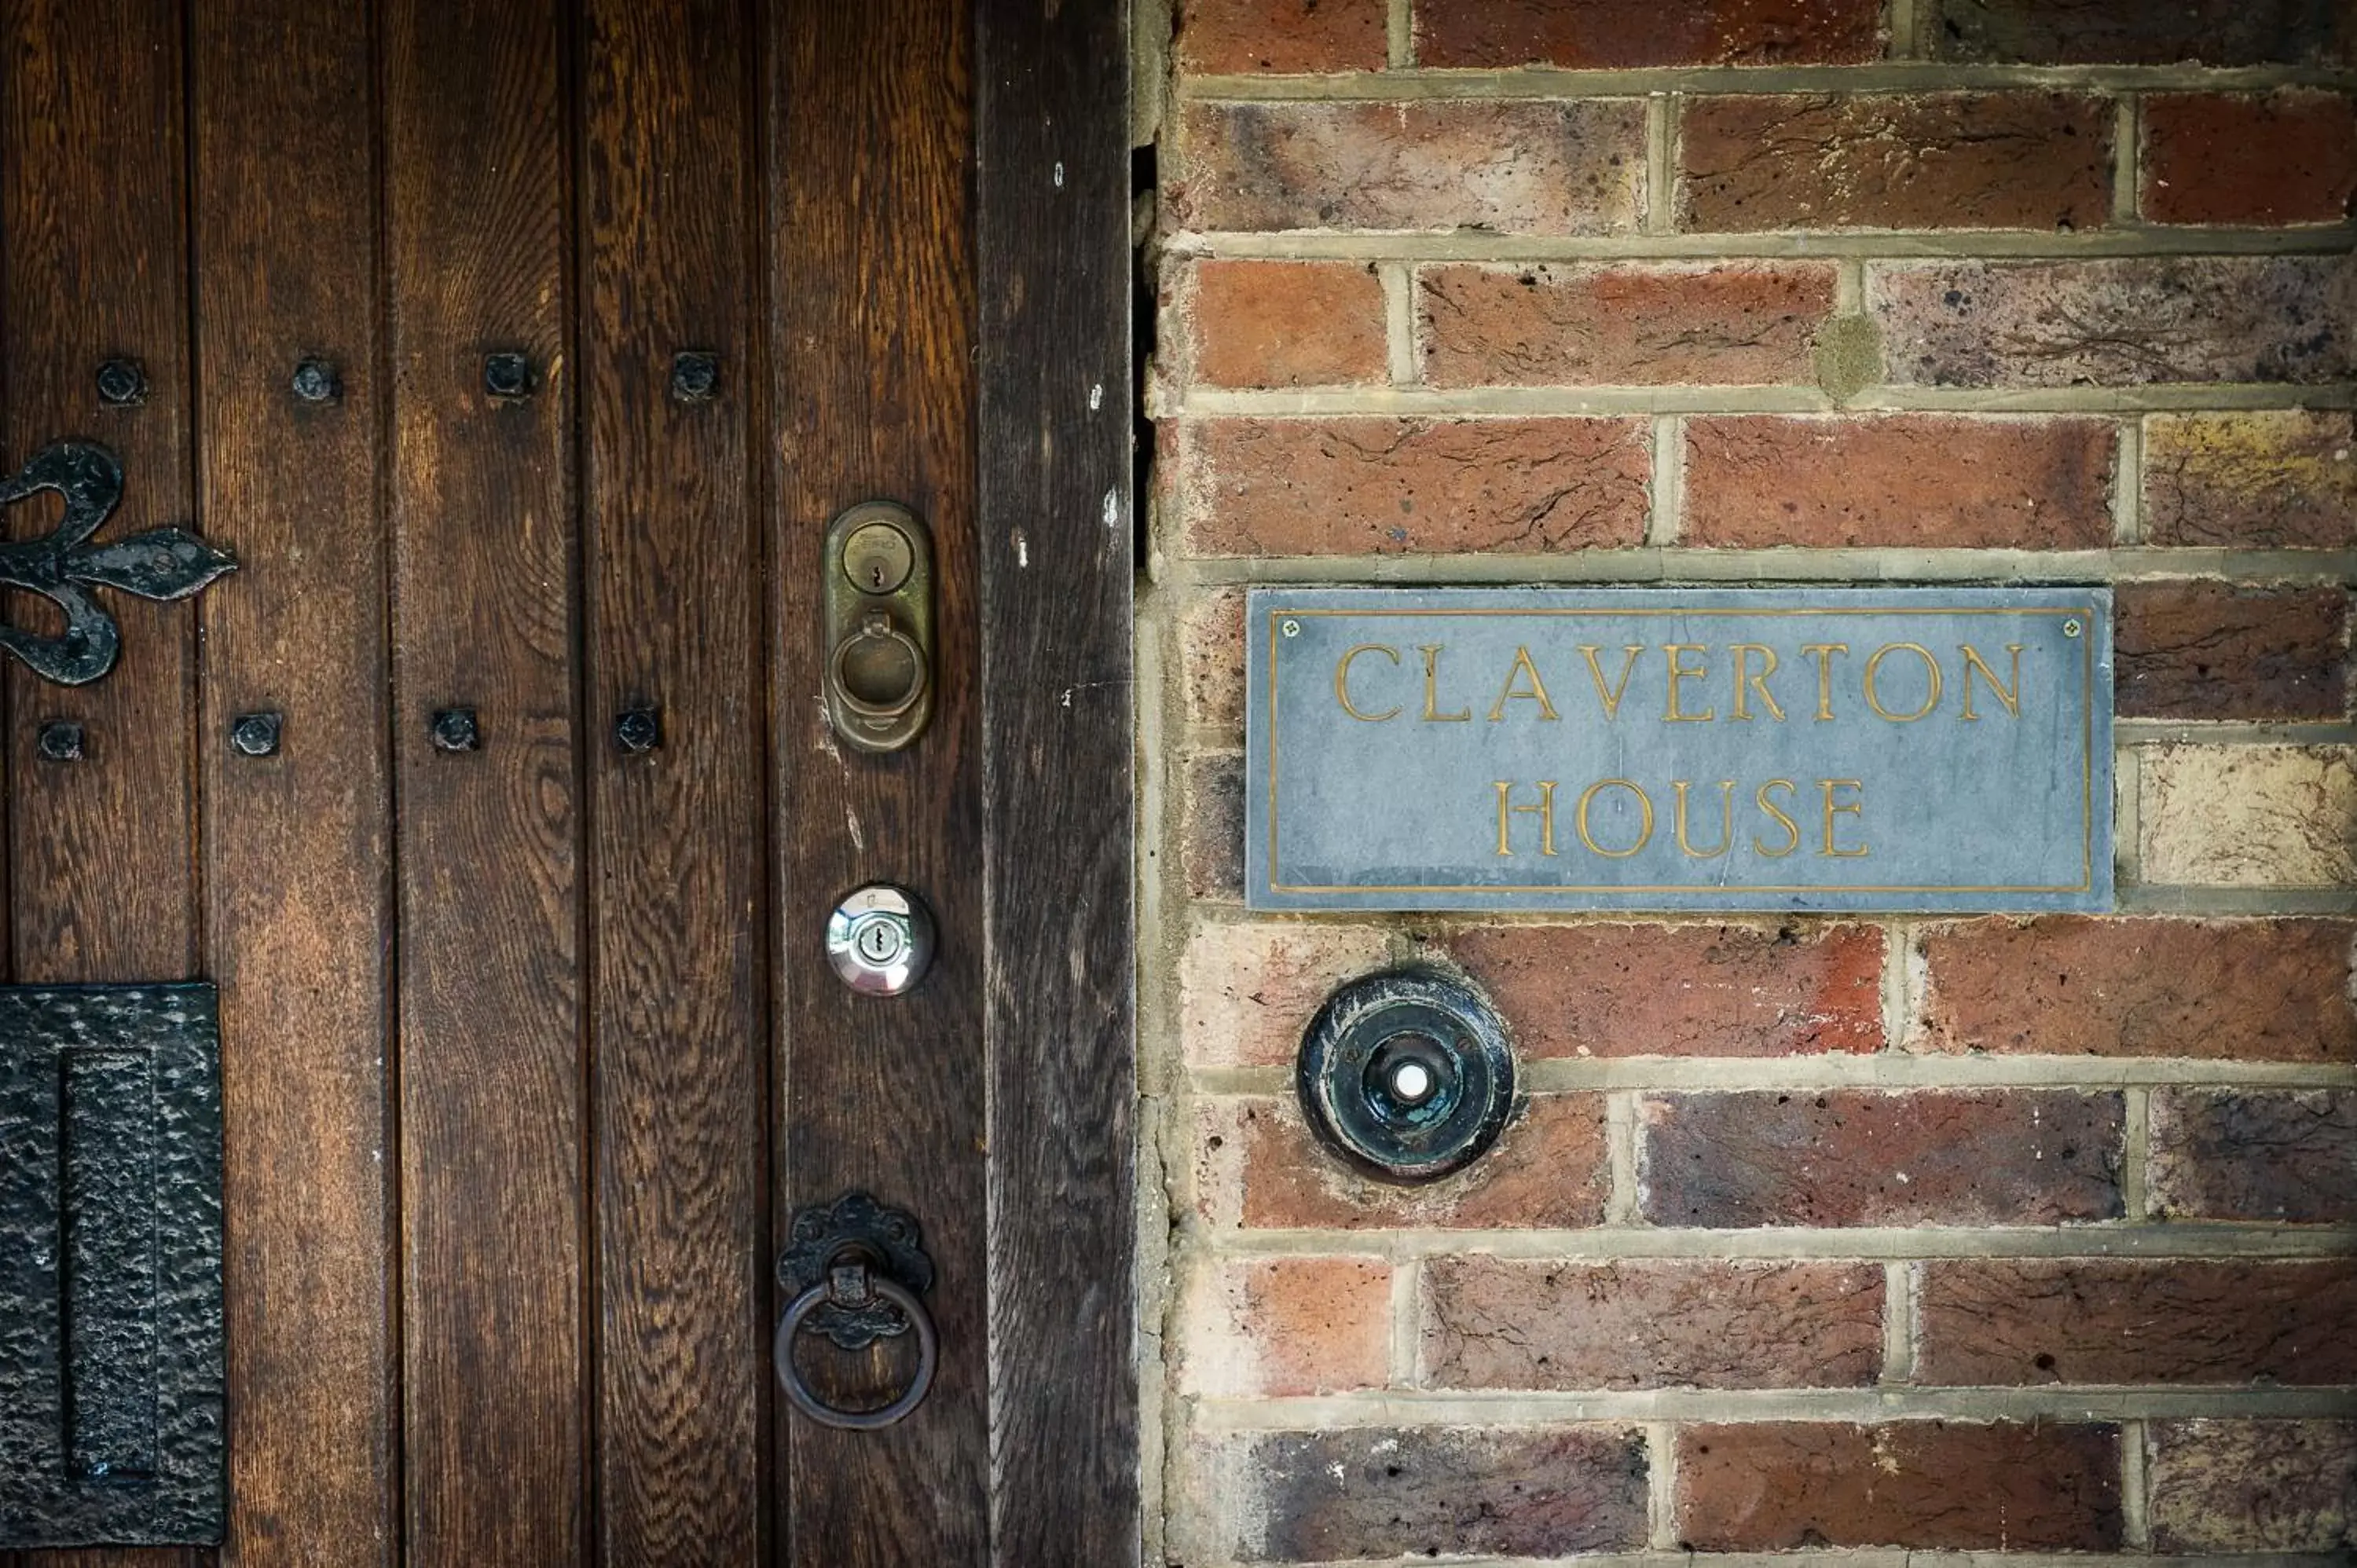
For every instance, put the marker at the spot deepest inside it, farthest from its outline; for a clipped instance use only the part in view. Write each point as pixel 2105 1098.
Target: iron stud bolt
pixel 256 734
pixel 695 375
pixel 507 375
pixel 121 383
pixel 61 741
pixel 639 730
pixel 315 382
pixel 455 730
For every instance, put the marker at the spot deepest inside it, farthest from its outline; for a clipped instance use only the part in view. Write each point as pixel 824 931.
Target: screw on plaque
pixel 121 383
pixel 455 729
pixel 60 741
pixel 314 381
pixel 639 730
pixel 256 734
pixel 507 376
pixel 695 375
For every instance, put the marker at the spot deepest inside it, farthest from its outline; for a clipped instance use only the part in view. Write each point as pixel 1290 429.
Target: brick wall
pixel 1989 1235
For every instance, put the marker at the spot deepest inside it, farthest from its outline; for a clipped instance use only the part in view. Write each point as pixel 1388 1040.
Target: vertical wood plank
pixel 93 249
pixel 869 269
pixel 495 1435
pixel 1055 522
pixel 672 597
pixel 297 846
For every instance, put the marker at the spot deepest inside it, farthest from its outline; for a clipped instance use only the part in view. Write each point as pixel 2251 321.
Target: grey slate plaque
pixel 1768 749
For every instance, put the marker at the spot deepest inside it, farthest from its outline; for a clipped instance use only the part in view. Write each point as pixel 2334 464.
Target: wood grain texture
pixel 1055 523
pixel 673 596
pixel 298 845
pixel 495 1441
pixel 93 252
pixel 869 269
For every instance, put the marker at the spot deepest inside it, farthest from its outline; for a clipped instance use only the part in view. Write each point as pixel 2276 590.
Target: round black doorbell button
pixel 1408 1075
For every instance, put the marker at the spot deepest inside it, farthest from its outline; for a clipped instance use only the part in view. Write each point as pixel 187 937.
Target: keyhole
pixel 876 577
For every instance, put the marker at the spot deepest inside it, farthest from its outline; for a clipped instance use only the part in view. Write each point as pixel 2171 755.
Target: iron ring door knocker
pixel 858 1271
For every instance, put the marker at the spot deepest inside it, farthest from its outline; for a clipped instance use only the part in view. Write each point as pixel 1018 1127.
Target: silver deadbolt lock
pixel 880 940
pixel 879 625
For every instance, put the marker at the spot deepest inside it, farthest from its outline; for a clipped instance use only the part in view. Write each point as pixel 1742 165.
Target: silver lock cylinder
pixel 880 940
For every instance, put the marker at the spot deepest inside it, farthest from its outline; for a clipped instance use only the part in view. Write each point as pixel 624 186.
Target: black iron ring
pixel 929 1357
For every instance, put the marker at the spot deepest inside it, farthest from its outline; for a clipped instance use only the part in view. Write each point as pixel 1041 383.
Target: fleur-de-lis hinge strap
pixel 166 564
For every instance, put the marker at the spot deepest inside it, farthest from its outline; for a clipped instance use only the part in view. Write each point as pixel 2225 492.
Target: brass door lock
pixel 879 625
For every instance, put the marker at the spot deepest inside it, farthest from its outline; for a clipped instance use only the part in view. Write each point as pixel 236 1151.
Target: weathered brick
pixel 1284 324
pixel 2024 1321
pixel 1535 168
pixel 1211 660
pixel 1247 993
pixel 2250 816
pixel 2220 650
pixel 2139 32
pixel 2117 323
pixel 1736 323
pixel 1260 1168
pixel 1211 827
pixel 1255 37
pixel 2275 990
pixel 1868 1157
pixel 1343 487
pixel 1910 480
pixel 1631 34
pixel 2279 478
pixel 2253 1486
pixel 1775 1486
pixel 1388 1492
pixel 1680 991
pixel 1495 1323
pixel 2275 158
pixel 1939 160
pixel 2245 1154
pixel 1269 1328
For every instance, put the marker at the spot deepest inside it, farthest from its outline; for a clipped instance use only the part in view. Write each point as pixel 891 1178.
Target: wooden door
pixel 530 1051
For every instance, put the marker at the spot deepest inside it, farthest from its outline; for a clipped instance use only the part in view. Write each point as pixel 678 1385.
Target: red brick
pixel 1496 1322
pixel 1252 36
pixel 1211 661
pixel 2274 480
pixel 2283 157
pixel 1286 324
pixel 1680 991
pixel 2141 32
pixel 1211 827
pixel 2220 650
pixel 1270 1328
pixel 1868 1157
pixel 2253 1486
pixel 1911 481
pixel 1536 168
pixel 2271 990
pixel 1775 1486
pixel 2127 322
pixel 1629 34
pixel 1260 1168
pixel 1247 993
pixel 1738 323
pixel 2009 1322
pixel 1421 1491
pixel 2287 1155
pixel 1389 487
pixel 1940 160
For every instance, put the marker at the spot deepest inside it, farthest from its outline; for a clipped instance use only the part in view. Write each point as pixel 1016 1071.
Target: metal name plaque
pixel 1895 749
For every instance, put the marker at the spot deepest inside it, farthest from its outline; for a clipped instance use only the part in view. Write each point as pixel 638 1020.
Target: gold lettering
pixel 1792 828
pixel 1746 682
pixel 2010 695
pixel 1537 693
pixel 1874 697
pixel 1432 714
pixel 1644 819
pixel 1823 652
pixel 1343 682
pixel 1678 673
pixel 1610 699
pixel 1726 818
pixel 1848 808
pixel 1544 812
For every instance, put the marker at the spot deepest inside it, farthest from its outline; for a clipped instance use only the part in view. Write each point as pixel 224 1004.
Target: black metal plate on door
pixel 111 1356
